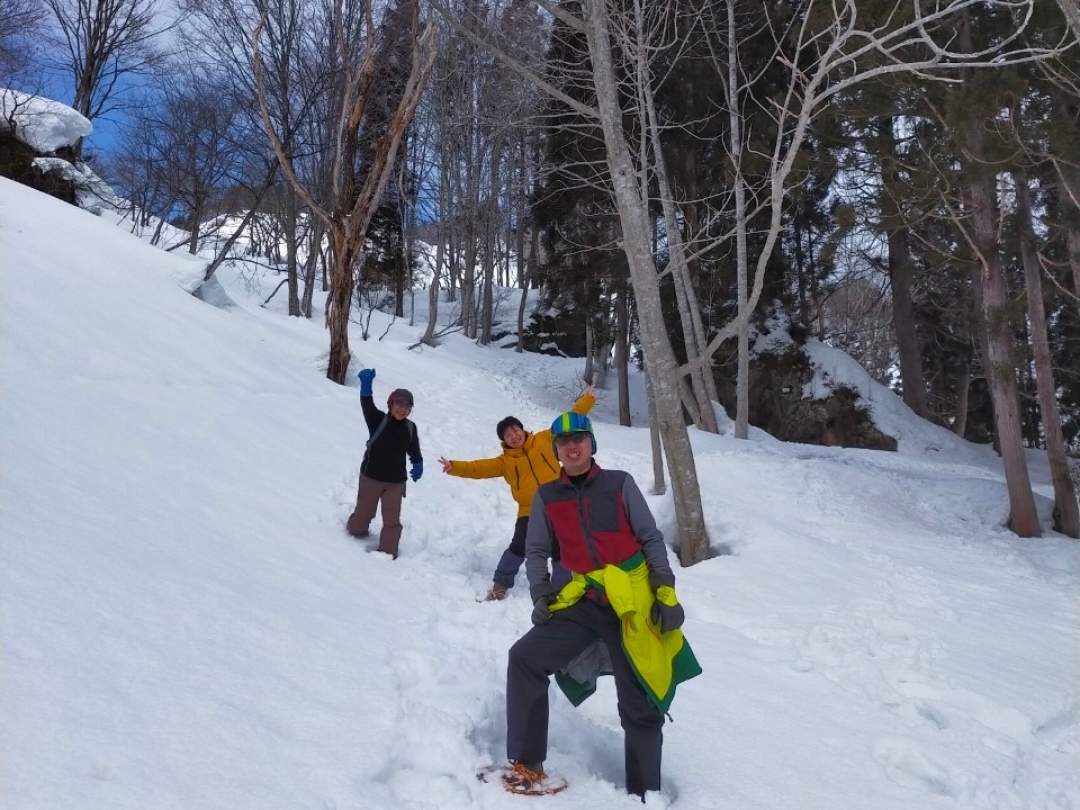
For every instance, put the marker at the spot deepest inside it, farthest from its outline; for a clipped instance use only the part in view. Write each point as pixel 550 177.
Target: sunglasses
pixel 403 403
pixel 571 438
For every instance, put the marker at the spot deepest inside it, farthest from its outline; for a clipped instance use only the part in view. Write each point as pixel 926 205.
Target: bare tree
pixel 197 148
pixel 1066 513
pixel 823 50
pixel 292 50
pixel 103 43
pixel 1071 10
pixel 352 204
pixel 20 23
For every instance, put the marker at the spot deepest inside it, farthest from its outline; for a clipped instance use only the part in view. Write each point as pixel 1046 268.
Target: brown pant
pixel 369 494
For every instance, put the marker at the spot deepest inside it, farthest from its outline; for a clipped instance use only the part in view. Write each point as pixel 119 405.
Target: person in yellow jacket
pixel 527 462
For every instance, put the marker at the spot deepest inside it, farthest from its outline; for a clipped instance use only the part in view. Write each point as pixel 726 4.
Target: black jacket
pixel 384 459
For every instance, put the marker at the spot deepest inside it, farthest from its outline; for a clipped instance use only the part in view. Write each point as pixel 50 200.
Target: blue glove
pixel 416 471
pixel 366 375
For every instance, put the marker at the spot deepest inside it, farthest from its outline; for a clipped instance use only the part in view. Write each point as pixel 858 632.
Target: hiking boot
pixel 524 776
pixel 497 593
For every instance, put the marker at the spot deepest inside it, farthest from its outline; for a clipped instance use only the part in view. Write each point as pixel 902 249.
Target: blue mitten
pixel 416 471
pixel 367 376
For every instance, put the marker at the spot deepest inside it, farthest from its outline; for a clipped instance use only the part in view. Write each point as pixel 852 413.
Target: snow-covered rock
pixel 41 123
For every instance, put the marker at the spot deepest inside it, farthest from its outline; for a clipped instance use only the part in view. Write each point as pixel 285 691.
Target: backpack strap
pixel 371 441
pixel 378 431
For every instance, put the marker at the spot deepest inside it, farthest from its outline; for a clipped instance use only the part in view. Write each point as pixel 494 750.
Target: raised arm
pixel 585 402
pixel 479 468
pixel 372 415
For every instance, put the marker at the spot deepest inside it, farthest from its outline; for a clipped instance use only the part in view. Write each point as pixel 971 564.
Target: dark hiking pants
pixel 370 494
pixel 549 647
pixel 511 559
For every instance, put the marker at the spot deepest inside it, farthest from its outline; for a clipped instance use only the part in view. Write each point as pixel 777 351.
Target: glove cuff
pixel 658 579
pixel 542 590
pixel 665 595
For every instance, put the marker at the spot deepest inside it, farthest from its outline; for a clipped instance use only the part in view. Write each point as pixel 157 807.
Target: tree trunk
pixel 692 340
pixel 291 251
pixel 1074 259
pixel 1066 513
pixel 963 389
pixel 687 400
pixel 487 312
pixel 472 213
pixel 338 305
pixel 994 314
pixel 401 278
pixel 800 270
pixel 440 239
pixel 742 386
pixel 660 360
pixel 689 216
pixel 407 226
pixel 622 353
pixel 1071 10
pixel 590 339
pixel 907 342
pixel 519 244
pixel 530 274
pixel 659 486
pixel 433 293
pixel 196 226
pixel 310 265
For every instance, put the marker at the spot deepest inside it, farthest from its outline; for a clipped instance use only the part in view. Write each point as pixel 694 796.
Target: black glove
pixel 667 617
pixel 542 609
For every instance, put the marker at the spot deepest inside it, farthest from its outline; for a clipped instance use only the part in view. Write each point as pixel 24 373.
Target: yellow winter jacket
pixel 525 468
pixel 661 661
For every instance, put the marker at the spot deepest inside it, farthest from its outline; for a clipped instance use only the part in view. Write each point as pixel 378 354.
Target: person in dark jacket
pixel 603 527
pixel 382 472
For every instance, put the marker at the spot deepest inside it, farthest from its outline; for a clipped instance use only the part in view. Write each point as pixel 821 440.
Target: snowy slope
pixel 185 624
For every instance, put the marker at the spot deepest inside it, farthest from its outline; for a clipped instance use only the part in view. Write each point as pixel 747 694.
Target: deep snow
pixel 185 624
pixel 41 123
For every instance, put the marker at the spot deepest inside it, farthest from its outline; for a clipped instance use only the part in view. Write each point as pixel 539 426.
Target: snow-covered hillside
pixel 184 622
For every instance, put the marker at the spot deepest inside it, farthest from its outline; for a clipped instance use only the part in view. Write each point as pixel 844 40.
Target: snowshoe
pixel 522 780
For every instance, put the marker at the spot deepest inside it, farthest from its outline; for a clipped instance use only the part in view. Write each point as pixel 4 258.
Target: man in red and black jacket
pixel 599 517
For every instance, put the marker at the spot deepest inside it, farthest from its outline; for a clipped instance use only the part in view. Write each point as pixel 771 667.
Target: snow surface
pixel 41 123
pixel 185 624
pixel 833 368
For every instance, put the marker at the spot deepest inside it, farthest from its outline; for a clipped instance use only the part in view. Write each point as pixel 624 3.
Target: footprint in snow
pixel 907 764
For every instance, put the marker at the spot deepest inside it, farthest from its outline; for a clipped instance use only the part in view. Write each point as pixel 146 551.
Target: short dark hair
pixel 509 421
